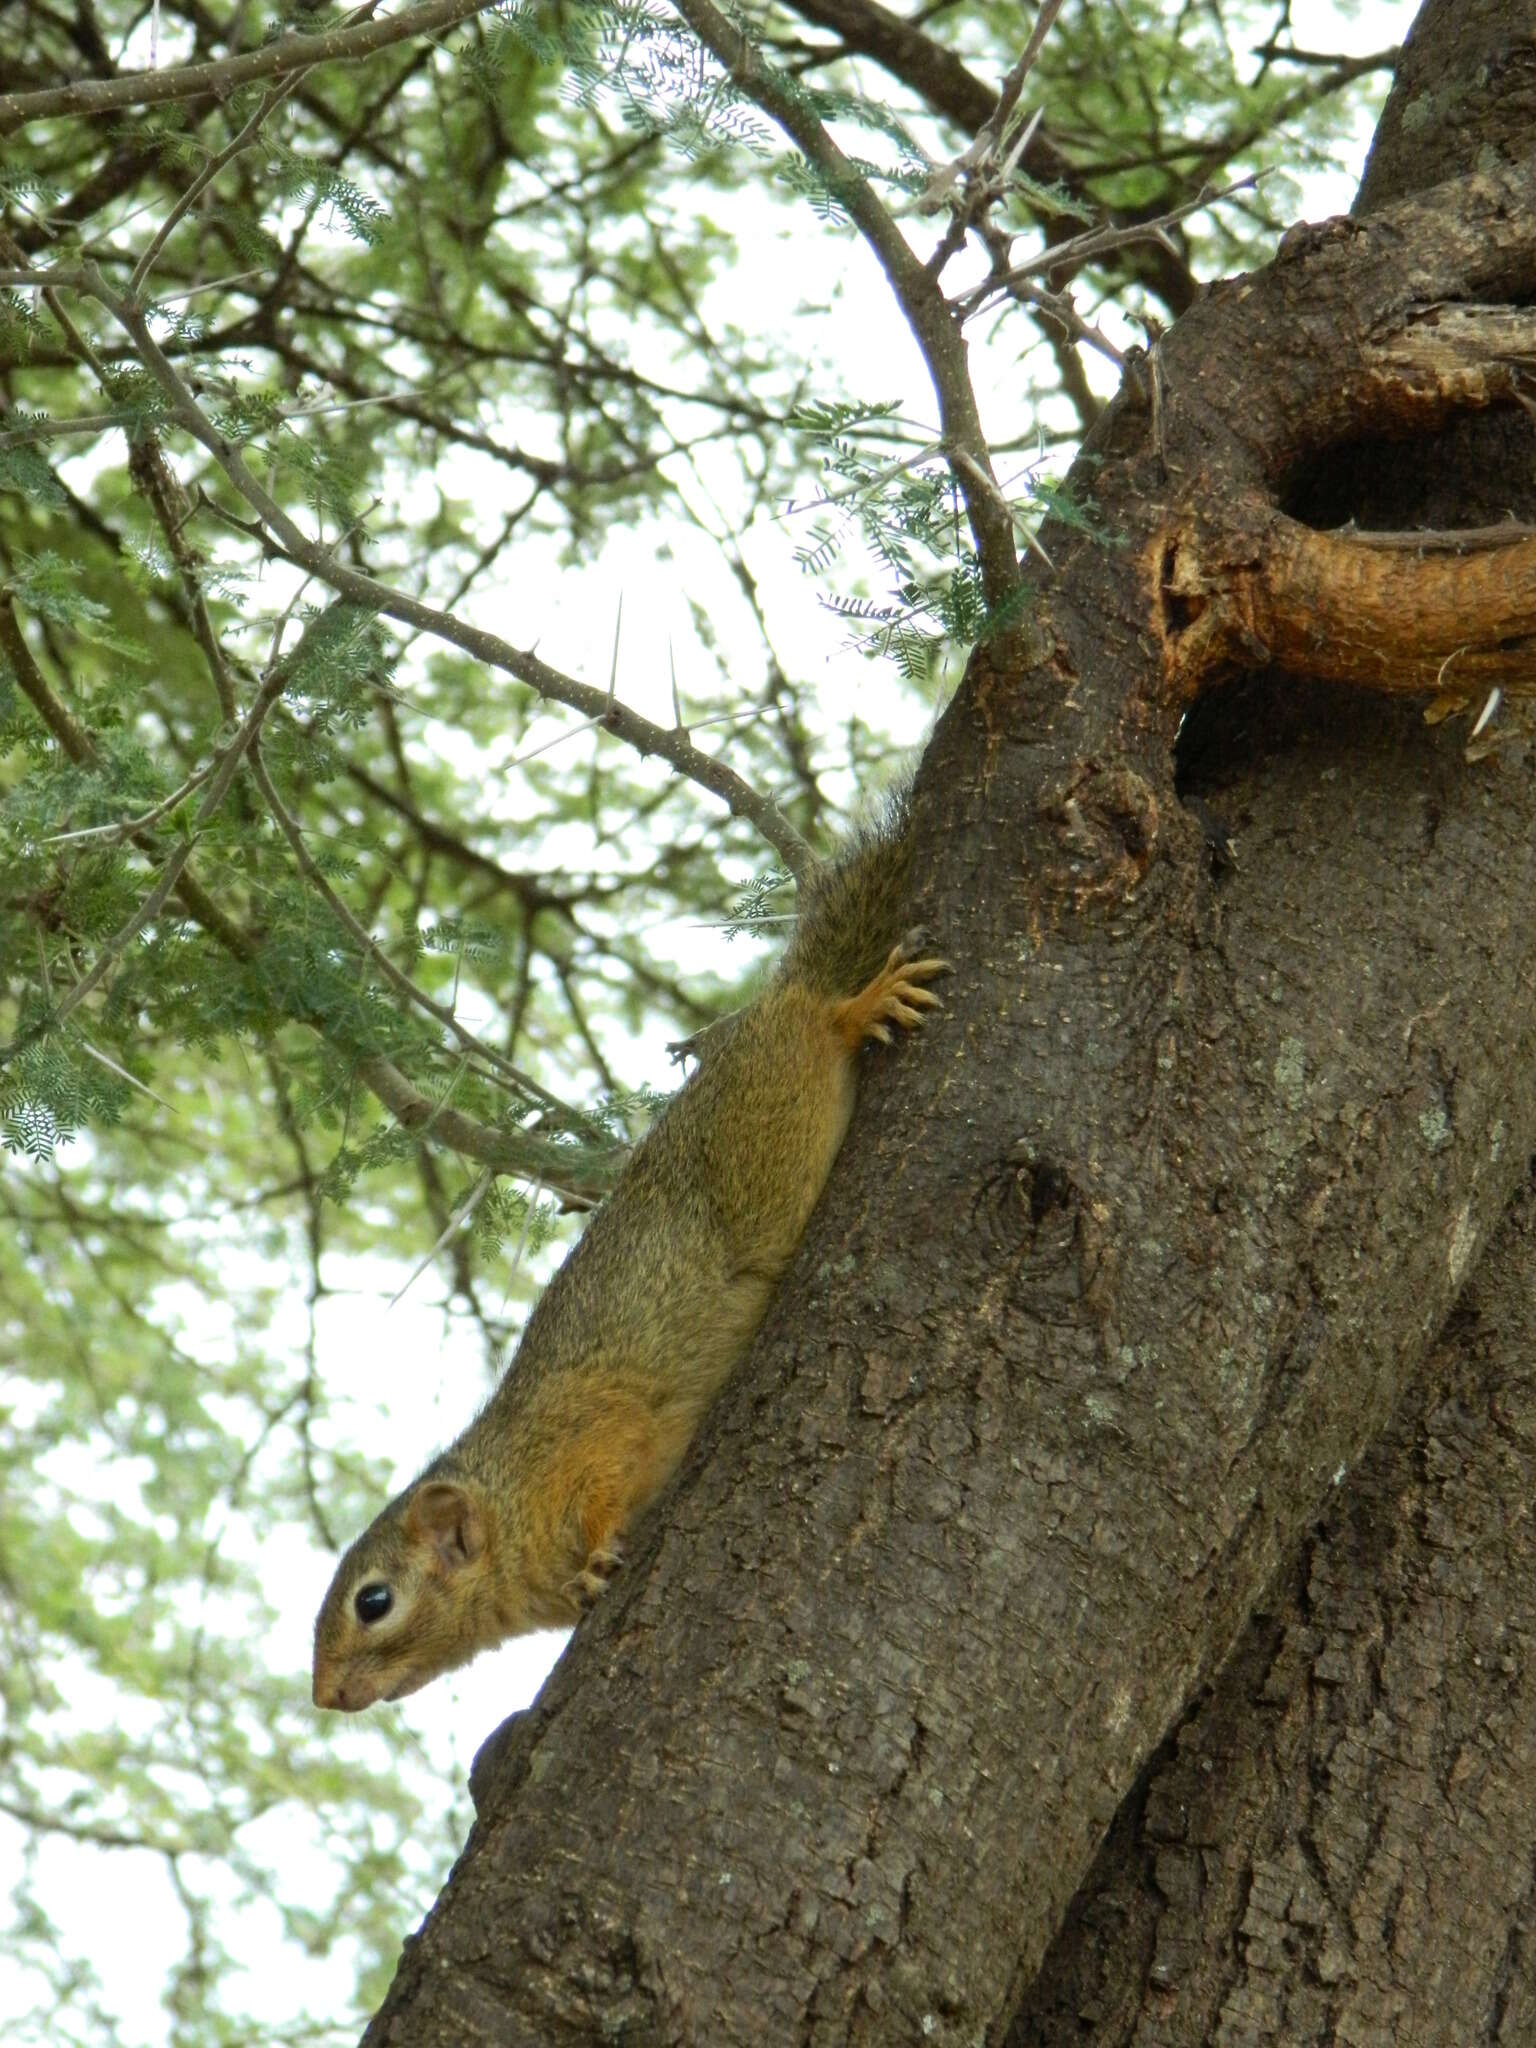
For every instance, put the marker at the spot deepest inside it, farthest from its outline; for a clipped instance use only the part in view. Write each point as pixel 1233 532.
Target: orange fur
pixel 522 1521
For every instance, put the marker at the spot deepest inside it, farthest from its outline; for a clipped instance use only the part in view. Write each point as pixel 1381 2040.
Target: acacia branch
pixel 210 170
pixel 995 126
pixel 646 737
pixel 96 1835
pixel 273 60
pixel 578 1177
pixel 226 763
pixel 917 293
pixel 942 81
pixel 1102 240
pixel 401 983
pixel 59 719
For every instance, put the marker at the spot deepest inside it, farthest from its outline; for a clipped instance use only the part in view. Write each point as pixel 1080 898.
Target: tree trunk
pixel 1124 1267
pixel 1338 1844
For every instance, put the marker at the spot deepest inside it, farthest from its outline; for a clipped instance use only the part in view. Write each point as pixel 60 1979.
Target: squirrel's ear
pixel 449 1519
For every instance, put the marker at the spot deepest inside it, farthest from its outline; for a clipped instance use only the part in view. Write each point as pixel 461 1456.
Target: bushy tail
pixel 850 910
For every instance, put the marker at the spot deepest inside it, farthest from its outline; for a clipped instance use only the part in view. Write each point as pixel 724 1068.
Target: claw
pixel 895 996
pixel 592 1580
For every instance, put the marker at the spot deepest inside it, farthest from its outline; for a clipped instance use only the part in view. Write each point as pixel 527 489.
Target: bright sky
pixel 134 1926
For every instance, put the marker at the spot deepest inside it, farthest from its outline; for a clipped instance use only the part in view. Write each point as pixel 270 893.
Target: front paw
pixel 590 1581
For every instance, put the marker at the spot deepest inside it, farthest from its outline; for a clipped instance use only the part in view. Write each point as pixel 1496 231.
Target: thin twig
pixel 205 177
pixel 643 734
pixel 970 166
pixel 590 724
pixel 213 284
pixel 63 276
pixel 319 407
pixel 1058 307
pixel 994 127
pixel 402 983
pixel 55 430
pixel 1099 241
pixel 918 295
pixel 50 283
pixel 275 59
pixel 130 828
pixel 227 760
pixel 123 1074
pixel 797 508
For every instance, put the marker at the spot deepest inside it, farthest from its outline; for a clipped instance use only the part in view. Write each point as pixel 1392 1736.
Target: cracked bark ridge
pixel 1464 95
pixel 1125 1262
pixel 1336 1846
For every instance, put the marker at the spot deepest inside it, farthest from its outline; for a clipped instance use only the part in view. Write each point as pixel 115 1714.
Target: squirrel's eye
pixel 372 1602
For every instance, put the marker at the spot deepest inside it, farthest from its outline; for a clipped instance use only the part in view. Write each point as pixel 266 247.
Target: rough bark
pixel 1464 94
pixel 1338 1844
pixel 1122 1269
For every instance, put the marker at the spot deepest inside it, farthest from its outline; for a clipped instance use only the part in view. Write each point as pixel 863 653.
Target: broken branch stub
pixel 1450 613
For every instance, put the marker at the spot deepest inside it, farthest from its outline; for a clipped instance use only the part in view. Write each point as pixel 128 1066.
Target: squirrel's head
pixel 413 1597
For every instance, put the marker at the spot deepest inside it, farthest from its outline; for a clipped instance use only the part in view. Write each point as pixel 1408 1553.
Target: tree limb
pixel 922 303
pixel 273 60
pixel 954 1554
pixel 640 733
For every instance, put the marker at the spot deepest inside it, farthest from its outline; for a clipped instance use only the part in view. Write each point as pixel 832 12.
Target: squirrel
pixel 520 1523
